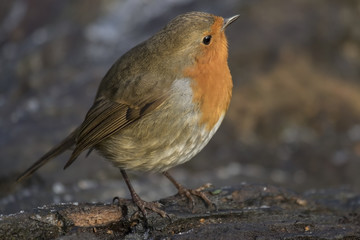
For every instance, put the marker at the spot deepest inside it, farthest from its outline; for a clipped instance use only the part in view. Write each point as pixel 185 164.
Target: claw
pixel 189 193
pixel 153 206
pixel 116 199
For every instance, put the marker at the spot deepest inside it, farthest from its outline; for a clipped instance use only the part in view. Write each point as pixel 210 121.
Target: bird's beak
pixel 230 20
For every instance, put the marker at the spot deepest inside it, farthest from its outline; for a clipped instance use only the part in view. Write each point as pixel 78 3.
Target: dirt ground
pixel 247 212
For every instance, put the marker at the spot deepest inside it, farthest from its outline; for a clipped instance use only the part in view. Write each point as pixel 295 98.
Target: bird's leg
pixel 141 204
pixel 189 192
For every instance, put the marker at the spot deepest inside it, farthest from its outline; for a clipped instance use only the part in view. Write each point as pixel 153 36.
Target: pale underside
pixel 168 136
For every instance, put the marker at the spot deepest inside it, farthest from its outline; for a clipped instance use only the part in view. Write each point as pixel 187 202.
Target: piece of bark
pixel 246 212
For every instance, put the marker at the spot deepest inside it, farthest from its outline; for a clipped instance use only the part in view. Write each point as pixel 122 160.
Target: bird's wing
pixel 105 118
pixel 129 90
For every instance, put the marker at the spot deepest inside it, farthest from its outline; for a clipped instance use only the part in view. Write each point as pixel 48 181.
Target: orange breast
pixel 212 85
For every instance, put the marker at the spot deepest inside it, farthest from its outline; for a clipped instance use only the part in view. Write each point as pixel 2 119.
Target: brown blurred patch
pixel 294 94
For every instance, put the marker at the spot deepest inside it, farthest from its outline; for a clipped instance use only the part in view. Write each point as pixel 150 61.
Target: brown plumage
pixel 160 103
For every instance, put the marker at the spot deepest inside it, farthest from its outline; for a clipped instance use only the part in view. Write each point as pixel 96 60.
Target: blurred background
pixel 294 120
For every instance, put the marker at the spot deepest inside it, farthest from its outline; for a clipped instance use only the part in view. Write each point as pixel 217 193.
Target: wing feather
pixel 106 118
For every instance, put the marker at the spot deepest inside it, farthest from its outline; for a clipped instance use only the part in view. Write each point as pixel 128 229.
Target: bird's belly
pixel 166 137
pixel 156 150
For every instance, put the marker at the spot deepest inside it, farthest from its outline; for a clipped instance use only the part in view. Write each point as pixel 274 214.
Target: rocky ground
pixel 247 212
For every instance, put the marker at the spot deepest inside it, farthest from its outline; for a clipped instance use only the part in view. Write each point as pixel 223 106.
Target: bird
pixel 159 104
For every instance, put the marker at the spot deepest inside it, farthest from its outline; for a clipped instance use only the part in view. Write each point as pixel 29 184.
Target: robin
pixel 159 104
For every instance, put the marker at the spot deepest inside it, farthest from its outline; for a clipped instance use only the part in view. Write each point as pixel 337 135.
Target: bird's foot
pixel 143 205
pixel 189 193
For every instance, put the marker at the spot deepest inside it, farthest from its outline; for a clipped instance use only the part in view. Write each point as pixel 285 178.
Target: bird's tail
pixel 67 143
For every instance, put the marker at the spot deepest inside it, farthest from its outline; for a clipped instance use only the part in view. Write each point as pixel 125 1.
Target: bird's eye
pixel 207 40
